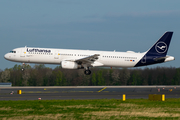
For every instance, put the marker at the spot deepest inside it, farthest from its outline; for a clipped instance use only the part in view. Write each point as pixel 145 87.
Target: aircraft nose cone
pixel 6 56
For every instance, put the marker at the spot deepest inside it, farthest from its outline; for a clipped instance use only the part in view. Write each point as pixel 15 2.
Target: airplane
pixel 84 59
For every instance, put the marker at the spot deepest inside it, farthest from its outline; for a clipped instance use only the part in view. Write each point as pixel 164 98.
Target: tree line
pixel 40 75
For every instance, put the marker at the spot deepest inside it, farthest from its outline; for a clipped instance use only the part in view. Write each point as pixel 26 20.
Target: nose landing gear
pixel 22 68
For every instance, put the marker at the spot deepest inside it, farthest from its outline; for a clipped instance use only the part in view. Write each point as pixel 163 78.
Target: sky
pixel 121 25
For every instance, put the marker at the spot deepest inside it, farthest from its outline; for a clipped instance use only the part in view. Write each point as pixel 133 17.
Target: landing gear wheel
pixel 87 72
pixel 22 69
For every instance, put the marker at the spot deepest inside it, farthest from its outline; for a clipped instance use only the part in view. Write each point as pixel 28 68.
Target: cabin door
pixel 22 52
pixel 143 59
pixel 56 55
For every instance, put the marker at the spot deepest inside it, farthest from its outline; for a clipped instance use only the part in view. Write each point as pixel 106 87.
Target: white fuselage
pixel 79 59
pixel 56 56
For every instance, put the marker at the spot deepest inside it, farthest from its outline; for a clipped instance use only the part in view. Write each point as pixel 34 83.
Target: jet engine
pixel 70 65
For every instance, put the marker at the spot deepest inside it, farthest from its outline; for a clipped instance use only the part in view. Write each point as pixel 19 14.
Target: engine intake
pixel 70 65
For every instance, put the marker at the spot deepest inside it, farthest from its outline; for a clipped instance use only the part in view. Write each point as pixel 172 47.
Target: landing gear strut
pixel 22 69
pixel 87 71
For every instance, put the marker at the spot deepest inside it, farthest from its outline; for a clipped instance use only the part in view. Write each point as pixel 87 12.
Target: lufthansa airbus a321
pixel 84 59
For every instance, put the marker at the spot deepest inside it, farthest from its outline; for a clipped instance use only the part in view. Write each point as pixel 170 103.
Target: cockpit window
pixel 12 51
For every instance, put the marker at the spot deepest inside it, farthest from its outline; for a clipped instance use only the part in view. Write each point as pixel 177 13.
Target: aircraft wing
pixel 89 61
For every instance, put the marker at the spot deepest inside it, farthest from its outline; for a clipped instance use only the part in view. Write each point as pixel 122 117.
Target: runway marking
pixel 102 89
pixel 56 91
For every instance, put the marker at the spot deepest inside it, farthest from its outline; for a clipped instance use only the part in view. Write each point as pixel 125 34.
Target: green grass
pixel 91 109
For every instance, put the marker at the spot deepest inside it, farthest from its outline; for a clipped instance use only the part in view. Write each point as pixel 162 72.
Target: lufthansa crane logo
pixel 161 47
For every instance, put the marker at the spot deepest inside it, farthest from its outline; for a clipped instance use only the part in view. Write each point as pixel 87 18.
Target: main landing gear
pixel 87 71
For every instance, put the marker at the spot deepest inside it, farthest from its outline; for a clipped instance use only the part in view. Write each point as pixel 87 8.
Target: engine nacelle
pixel 69 65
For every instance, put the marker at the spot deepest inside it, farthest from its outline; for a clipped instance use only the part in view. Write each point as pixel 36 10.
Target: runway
pixel 86 92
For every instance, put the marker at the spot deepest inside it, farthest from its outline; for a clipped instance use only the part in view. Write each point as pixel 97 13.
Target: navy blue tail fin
pixel 160 48
pixel 157 53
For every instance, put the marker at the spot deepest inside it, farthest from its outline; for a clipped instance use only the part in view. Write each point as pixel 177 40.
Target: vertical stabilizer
pixel 160 48
pixel 157 53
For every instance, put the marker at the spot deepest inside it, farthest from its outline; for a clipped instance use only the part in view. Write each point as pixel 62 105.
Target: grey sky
pixel 94 25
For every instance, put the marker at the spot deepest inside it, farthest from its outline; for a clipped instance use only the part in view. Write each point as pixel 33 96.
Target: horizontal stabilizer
pixel 166 59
